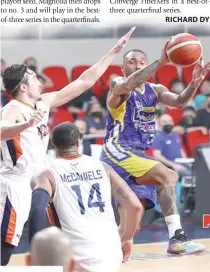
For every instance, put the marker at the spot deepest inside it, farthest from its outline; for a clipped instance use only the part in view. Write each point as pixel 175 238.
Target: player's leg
pixel 6 252
pixel 128 165
pixel 178 243
pixel 15 206
pixel 6 248
pixel 146 170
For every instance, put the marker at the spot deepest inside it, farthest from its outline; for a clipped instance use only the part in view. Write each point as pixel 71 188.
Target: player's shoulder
pixel 154 85
pixel 11 108
pixel 41 105
pixel 90 159
pixel 11 104
pixel 157 87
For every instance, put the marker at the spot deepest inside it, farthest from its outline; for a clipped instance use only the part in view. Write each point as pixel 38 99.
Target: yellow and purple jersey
pixel 133 122
pixel 130 131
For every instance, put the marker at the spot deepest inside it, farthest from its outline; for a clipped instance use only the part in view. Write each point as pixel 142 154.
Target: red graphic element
pixel 206 221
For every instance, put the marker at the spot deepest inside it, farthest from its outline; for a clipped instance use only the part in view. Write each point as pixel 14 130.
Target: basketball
pixel 184 50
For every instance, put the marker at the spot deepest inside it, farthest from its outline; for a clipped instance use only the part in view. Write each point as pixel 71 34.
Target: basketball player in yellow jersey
pixel 130 128
pixel 24 136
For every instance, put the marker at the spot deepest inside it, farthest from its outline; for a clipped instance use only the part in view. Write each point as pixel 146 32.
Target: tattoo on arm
pixel 143 75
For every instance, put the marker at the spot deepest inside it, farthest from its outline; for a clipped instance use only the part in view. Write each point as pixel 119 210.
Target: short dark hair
pixel 65 135
pixel 135 50
pixel 12 77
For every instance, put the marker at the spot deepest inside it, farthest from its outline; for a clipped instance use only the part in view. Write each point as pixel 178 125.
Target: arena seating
pixel 166 74
pixel 58 75
pixel 176 114
pixel 196 138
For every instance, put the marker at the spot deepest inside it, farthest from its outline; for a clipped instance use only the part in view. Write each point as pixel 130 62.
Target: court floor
pixel 152 257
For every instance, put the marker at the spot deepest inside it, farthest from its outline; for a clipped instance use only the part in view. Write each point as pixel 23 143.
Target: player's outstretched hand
pixel 123 41
pixel 164 57
pixel 35 118
pixel 126 249
pixel 200 71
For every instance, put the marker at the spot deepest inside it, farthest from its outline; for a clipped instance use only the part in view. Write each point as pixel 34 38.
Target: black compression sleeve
pixel 38 215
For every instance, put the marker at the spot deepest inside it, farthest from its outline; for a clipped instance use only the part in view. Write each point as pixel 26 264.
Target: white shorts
pixel 15 204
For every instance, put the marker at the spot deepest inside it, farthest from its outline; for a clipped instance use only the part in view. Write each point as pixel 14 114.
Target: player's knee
pixel 174 175
pixel 171 177
pixel 167 177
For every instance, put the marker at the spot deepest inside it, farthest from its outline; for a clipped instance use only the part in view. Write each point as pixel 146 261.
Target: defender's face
pixel 34 86
pixel 134 61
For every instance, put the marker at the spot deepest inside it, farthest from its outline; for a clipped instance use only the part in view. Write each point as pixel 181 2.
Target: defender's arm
pixel 43 186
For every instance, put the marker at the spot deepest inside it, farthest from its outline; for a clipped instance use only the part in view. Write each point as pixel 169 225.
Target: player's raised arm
pixel 122 86
pixel 179 101
pixel 43 186
pixel 88 78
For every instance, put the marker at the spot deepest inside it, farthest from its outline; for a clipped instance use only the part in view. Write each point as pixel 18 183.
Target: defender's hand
pixel 123 41
pixel 35 118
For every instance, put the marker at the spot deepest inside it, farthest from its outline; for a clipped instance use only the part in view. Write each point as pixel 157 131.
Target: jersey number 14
pixel 95 189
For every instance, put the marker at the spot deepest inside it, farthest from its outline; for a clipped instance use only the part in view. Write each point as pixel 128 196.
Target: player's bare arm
pixel 13 122
pixel 126 197
pixel 87 79
pixel 179 101
pixel 43 186
pixel 125 85
pixel 121 87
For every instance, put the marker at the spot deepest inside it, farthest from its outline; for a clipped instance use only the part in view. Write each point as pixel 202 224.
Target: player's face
pixel 34 86
pixel 134 61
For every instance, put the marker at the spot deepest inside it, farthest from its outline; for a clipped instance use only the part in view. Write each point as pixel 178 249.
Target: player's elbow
pixel 4 135
pixel 180 104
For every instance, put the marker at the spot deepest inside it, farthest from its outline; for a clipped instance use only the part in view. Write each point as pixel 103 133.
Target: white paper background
pixel 110 19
